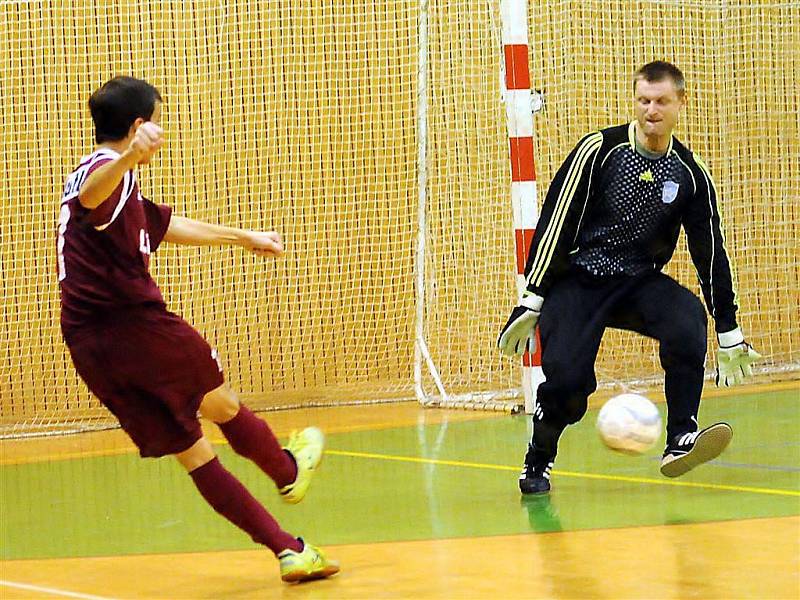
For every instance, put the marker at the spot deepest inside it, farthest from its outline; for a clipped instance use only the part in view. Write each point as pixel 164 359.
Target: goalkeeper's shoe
pixel 306 448
pixel 535 475
pixel 309 564
pixel 688 450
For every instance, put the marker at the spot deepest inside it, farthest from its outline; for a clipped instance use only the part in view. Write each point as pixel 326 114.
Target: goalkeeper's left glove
pixel 734 358
pixel 518 332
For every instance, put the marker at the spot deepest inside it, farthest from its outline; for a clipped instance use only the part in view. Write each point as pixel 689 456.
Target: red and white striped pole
pixel 519 120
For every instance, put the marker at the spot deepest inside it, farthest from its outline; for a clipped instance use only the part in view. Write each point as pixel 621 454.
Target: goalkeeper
pixel 609 224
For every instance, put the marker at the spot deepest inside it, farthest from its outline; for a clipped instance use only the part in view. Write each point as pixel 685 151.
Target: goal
pixel 308 118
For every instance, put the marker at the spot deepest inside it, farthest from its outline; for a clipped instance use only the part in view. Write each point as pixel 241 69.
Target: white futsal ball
pixel 629 423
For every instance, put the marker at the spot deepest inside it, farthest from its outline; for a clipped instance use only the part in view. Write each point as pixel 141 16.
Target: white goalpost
pixel 520 104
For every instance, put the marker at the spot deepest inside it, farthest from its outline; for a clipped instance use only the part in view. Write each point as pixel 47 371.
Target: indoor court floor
pixel 419 503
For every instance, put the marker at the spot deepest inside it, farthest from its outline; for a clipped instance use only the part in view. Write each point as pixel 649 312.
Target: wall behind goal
pixel 302 117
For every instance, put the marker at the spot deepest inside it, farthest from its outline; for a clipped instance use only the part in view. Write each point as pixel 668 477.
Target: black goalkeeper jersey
pixel 612 212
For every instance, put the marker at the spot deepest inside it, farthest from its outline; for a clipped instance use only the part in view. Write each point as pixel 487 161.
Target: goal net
pixel 304 118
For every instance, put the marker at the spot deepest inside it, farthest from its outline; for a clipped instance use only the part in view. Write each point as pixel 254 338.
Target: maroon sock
pixel 231 499
pixel 252 438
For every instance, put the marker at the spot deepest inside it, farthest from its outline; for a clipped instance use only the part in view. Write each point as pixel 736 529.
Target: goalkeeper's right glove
pixel 518 333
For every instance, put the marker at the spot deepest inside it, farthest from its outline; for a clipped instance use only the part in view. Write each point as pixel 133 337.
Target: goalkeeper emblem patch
pixel 669 192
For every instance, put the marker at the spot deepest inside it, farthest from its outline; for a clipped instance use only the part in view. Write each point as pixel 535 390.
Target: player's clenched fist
pixel 148 138
pixel 265 243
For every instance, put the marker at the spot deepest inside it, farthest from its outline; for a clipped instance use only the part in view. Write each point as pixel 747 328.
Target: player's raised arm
pixel 101 183
pixel 189 232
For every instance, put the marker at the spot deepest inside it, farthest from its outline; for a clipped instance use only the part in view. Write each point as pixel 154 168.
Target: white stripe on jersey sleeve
pixel 129 181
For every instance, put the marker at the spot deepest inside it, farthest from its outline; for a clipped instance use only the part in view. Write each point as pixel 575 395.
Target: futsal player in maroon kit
pixel 149 367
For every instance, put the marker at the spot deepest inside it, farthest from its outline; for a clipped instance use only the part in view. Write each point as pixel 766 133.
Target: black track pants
pixel 574 316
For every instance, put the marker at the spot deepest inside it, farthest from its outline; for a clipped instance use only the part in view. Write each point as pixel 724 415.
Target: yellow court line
pixel 473 465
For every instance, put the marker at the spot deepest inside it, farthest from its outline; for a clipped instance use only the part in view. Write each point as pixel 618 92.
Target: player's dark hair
pixel 660 70
pixel 118 103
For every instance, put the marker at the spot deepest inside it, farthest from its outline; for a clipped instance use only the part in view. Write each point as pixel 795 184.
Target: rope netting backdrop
pixel 303 119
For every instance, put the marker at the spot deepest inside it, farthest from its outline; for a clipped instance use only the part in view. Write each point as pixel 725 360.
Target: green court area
pixel 451 479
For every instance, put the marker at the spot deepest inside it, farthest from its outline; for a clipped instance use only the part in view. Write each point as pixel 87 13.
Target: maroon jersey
pixel 104 253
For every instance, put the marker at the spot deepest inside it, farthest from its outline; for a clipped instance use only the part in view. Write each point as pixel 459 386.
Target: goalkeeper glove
pixel 734 358
pixel 518 333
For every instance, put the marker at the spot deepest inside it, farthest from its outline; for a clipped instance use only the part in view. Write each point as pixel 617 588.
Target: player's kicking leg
pixel 291 468
pixel 306 448
pixel 299 561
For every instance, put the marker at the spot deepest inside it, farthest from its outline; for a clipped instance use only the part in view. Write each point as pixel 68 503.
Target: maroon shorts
pixel 151 369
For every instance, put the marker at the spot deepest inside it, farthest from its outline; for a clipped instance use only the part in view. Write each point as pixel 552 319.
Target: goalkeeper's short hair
pixel 660 70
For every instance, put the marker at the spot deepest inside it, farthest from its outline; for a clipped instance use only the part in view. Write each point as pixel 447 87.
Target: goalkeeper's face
pixel 657 105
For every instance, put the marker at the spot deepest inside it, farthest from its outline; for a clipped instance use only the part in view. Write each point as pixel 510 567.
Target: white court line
pixel 53 591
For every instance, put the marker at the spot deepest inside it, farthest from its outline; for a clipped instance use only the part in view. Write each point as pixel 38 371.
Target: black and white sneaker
pixel 535 475
pixel 688 450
